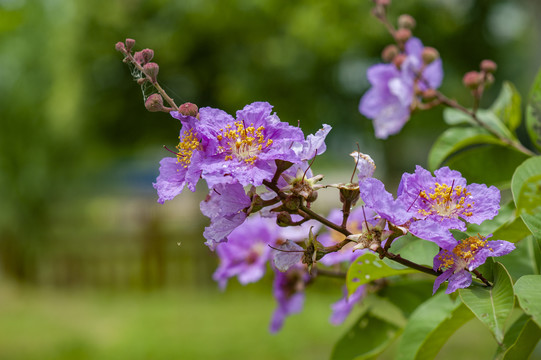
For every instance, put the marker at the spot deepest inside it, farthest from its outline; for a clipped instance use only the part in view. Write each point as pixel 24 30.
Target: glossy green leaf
pixel 492 305
pixel 521 261
pixel 367 268
pixel 507 106
pixel 533 112
pixel 455 139
pixel 526 188
pixel 487 117
pixel 414 249
pixel 367 338
pixel 488 164
pixel 528 290
pixel 430 326
pixel 519 340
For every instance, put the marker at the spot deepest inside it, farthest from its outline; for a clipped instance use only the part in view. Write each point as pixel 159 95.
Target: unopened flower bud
pixel 151 69
pixel 283 219
pixel 383 2
pixel 129 44
pixel 389 52
pixel 488 66
pixel 141 81
pixel 472 79
pixel 148 54
pixel 119 46
pixel 402 35
pixel 406 21
pixel 154 103
pixel 399 59
pixel 429 54
pixel 188 109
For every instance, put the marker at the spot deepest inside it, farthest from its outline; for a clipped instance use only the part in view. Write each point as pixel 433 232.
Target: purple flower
pixel 224 206
pixel 342 308
pixel 389 101
pixel 175 173
pixel 244 149
pixel 378 199
pixel 446 201
pixel 288 290
pixel 468 255
pixel 313 145
pixel 246 252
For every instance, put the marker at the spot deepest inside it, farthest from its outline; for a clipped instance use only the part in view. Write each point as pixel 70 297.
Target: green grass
pixel 45 324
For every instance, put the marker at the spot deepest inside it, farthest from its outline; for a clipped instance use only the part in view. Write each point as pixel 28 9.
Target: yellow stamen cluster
pixel 463 253
pixel 244 143
pixel 446 200
pixel 188 143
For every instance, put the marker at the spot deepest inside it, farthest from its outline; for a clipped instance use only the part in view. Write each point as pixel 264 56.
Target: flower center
pixel 243 143
pixel 446 201
pixel 463 254
pixel 188 143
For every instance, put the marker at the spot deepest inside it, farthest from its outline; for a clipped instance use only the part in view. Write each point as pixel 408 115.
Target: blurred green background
pixel 91 267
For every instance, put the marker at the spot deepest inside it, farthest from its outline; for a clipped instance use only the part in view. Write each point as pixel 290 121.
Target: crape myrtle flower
pixel 224 206
pixel 342 308
pixel 185 169
pixel 288 290
pixel 399 213
pixel 468 255
pixel 446 201
pixel 244 149
pixel 390 99
pixel 246 252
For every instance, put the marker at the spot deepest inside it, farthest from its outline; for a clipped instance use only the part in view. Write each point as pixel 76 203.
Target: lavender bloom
pixel 446 201
pixel 288 290
pixel 342 308
pixel 468 255
pixel 378 199
pixel 224 207
pixel 246 252
pixel 389 101
pixel 244 149
pixel 185 169
pixel 313 145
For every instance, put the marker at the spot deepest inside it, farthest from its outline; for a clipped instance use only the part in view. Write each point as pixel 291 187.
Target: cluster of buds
pixel 476 81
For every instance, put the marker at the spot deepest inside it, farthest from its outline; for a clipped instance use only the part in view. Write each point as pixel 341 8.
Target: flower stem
pixel 452 103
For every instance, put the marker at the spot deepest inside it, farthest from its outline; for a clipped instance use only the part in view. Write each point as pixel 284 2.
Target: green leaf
pixel 430 326
pixel 533 112
pixel 414 249
pixel 521 261
pixel 507 225
pixel 367 268
pixel 507 106
pixel 367 338
pixel 519 340
pixel 455 139
pixel 526 188
pixel 492 305
pixel 408 294
pixel 489 164
pixel 528 290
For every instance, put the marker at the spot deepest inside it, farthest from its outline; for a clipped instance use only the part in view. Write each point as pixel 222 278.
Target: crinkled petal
pixel 391 119
pixel 314 144
pixel 431 230
pixel 492 249
pixel 486 202
pixel 440 279
pixel 375 196
pixel 459 280
pixel 433 75
pixel 287 255
pixel 171 180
